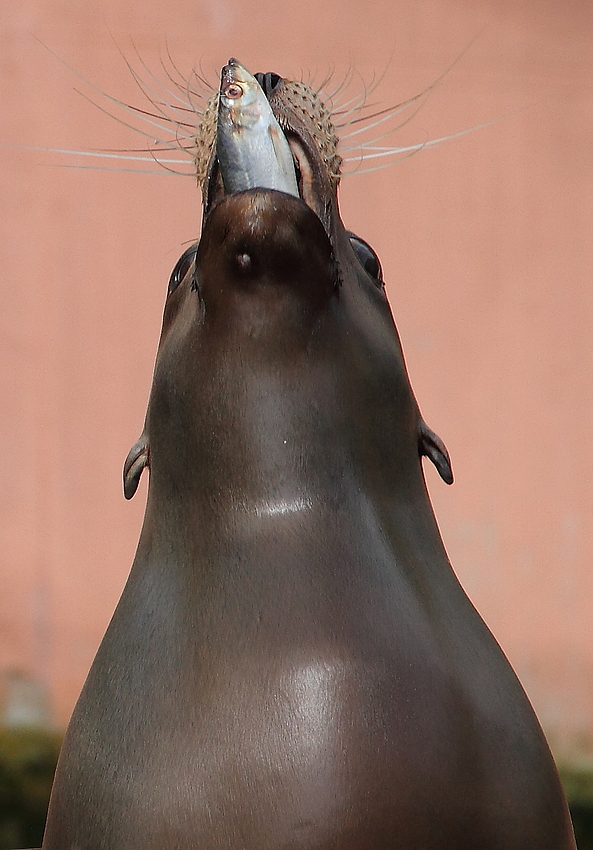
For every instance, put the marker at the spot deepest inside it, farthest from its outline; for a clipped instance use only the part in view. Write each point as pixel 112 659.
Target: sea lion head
pixel 277 326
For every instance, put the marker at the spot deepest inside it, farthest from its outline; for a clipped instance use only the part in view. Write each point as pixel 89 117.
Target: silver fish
pixel 251 148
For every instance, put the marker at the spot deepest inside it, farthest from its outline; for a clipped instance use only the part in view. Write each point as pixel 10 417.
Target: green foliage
pixel 27 763
pixel 578 785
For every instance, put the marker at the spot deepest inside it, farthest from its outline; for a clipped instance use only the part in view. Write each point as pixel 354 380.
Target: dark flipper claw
pixel 136 460
pixel 431 445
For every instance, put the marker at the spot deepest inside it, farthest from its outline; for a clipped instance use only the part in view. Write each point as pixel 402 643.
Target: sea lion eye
pixel 182 267
pixel 367 258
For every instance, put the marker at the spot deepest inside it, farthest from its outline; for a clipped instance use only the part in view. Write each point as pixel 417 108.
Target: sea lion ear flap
pixel 136 460
pixel 431 445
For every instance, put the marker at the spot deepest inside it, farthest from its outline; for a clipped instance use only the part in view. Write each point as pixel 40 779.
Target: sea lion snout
pixel 262 237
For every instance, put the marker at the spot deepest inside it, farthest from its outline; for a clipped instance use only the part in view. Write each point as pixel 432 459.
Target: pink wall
pixel 486 244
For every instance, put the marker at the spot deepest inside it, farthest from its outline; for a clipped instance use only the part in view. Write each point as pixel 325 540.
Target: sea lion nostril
pixel 268 82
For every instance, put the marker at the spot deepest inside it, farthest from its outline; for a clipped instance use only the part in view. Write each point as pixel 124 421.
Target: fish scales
pixel 251 148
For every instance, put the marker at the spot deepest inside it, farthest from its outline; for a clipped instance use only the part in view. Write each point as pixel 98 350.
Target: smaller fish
pixel 251 148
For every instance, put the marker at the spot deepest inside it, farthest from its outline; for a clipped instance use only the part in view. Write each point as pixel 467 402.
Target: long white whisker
pixel 391 110
pixel 326 80
pixel 184 84
pixel 145 89
pixel 190 92
pixel 108 97
pixel 392 152
pixel 375 148
pixel 341 112
pixel 102 154
pixel 375 82
pixel 397 150
pixel 308 80
pixel 162 142
pixel 358 100
pixel 172 170
pixel 203 78
pixel 408 102
pixel 369 142
pixel 411 152
pixel 160 117
pixel 376 123
pixel 359 103
pixel 355 104
pixel 164 172
pixel 345 83
pixel 133 110
pixel 165 88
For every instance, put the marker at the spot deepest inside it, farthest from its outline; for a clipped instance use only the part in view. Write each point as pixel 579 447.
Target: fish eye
pixel 233 91
pixel 182 267
pixel 367 258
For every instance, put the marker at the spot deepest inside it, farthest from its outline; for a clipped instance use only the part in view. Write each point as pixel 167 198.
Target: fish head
pixel 241 99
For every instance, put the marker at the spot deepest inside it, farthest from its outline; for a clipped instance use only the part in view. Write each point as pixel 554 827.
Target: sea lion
pixel 293 662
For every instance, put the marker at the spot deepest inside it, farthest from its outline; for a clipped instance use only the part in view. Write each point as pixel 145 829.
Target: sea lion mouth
pixel 239 155
pixel 304 170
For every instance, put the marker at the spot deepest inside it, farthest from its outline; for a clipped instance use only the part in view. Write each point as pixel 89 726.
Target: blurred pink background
pixel 487 248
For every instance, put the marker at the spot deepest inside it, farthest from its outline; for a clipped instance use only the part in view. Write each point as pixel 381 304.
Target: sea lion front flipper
pixel 136 460
pixel 431 445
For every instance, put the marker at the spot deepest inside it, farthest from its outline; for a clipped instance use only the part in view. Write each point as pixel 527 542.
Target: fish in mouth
pixel 265 131
pixel 251 149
